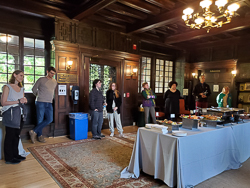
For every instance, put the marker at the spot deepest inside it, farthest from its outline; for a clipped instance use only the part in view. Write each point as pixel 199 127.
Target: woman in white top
pixel 12 96
pixel 114 102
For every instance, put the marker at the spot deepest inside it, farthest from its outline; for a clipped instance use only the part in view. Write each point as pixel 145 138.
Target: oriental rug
pixel 91 163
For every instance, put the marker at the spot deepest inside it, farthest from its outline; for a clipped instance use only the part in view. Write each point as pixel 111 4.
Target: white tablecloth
pixel 182 161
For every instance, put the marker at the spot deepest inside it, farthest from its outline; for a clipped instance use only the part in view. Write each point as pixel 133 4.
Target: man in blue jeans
pixel 96 102
pixel 43 89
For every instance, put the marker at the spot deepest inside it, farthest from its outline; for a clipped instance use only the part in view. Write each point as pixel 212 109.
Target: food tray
pixel 190 123
pixel 211 123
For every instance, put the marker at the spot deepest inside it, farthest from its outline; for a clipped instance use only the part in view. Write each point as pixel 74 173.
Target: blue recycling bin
pixel 78 125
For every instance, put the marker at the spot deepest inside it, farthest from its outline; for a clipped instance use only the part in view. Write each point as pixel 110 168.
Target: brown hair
pixel 13 79
pixel 116 91
pixel 144 83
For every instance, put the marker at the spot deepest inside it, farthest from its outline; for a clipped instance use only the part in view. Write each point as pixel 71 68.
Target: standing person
pixel 201 93
pixel 13 116
pixel 224 99
pixel 96 102
pixel 114 102
pixel 148 102
pixel 43 89
pixel 171 98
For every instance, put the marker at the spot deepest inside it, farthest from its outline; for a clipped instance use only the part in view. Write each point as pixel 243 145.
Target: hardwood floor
pixel 29 173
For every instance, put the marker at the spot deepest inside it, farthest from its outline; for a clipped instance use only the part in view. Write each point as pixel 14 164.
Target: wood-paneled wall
pixel 83 34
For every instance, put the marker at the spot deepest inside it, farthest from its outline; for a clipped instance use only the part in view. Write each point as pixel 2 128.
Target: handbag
pixel 12 117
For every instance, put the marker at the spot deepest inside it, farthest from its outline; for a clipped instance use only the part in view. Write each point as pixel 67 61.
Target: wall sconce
pixel 68 67
pixel 234 72
pixel 5 38
pixel 134 72
pixel 194 75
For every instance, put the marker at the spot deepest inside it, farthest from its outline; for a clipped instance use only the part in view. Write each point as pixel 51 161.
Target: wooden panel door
pixel 130 95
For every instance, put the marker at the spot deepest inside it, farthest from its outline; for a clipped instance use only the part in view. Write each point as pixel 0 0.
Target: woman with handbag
pixel 148 102
pixel 114 102
pixel 12 112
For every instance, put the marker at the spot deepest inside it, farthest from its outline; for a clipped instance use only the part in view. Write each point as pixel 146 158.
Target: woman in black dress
pixel 171 98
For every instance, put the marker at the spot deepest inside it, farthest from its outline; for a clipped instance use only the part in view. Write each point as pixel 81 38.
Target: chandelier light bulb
pixel 184 17
pixel 188 11
pixel 199 20
pixel 213 19
pixel 205 3
pixel 233 7
pixel 221 3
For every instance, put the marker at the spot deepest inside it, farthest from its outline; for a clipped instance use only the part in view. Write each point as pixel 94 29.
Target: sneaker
pixel 13 161
pixel 121 135
pixel 102 135
pixel 41 139
pixel 20 158
pixel 112 134
pixel 32 136
pixel 96 138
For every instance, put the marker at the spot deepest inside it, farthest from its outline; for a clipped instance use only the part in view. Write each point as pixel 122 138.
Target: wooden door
pixel 130 94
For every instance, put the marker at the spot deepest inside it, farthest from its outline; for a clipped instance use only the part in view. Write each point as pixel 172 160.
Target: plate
pixel 179 133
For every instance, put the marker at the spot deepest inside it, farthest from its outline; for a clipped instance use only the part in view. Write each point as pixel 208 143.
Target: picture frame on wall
pixel 242 88
pixel 247 86
pixel 215 88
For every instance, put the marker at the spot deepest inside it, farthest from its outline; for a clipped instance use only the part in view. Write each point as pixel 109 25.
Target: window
pixel 34 61
pixel 9 57
pixel 163 75
pixel 144 72
pixel 105 73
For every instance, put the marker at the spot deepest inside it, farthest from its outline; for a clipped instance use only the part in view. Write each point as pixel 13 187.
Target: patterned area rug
pixel 91 163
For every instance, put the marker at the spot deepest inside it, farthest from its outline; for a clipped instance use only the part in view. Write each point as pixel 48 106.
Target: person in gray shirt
pixel 43 89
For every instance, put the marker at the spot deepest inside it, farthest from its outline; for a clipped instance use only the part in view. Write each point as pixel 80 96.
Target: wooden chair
pixel 182 107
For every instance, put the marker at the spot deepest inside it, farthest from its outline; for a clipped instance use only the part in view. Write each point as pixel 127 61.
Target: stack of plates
pixel 179 133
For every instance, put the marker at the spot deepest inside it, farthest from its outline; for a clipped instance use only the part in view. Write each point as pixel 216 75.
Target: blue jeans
pixel 44 112
pixel 96 121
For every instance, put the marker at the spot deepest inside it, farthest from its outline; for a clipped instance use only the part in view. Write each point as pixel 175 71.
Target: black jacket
pixel 110 96
pixel 96 100
pixel 201 88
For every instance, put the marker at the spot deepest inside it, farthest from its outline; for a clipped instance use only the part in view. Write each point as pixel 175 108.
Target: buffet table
pixel 182 161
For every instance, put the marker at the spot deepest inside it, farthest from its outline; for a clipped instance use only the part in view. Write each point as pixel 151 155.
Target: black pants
pixel 11 142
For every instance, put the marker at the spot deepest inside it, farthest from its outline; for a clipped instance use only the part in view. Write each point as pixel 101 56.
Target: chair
pixel 159 114
pixel 182 107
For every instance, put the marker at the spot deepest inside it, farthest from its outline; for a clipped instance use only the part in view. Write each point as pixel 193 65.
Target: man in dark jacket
pixel 96 102
pixel 201 92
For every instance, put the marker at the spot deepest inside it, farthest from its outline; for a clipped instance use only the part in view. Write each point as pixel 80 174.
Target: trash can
pixel 78 125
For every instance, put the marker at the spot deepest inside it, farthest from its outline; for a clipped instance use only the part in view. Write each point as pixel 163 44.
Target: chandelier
pixel 208 19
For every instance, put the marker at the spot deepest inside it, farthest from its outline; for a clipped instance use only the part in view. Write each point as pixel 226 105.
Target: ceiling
pixel 156 21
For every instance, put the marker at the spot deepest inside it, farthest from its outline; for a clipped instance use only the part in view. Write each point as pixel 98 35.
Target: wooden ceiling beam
pixel 102 19
pixel 166 4
pixel 166 18
pixel 236 24
pixel 127 11
pixel 32 7
pixel 141 6
pixel 113 15
pixel 81 13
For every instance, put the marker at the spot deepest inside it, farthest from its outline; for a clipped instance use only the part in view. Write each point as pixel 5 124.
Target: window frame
pixel 164 86
pixel 21 49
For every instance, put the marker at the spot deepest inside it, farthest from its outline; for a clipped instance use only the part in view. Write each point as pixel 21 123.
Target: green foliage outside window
pixel 105 73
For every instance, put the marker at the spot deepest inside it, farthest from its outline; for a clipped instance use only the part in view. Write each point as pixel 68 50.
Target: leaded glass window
pixel 9 57
pixel 105 73
pixel 145 72
pixel 34 61
pixel 163 75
